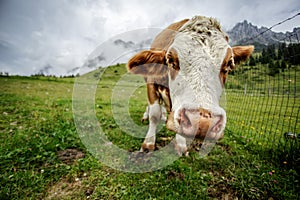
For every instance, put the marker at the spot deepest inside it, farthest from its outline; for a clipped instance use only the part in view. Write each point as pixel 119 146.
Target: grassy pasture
pixel 42 156
pixel 265 108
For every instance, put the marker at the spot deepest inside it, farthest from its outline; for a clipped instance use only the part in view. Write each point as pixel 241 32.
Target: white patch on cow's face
pixel 197 84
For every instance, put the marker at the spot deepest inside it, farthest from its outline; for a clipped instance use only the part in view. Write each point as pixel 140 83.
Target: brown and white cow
pixel 185 71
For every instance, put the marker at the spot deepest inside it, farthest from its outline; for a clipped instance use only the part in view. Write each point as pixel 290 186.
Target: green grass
pixel 36 124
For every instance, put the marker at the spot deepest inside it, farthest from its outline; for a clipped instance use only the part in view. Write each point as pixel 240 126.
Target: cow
pixel 185 70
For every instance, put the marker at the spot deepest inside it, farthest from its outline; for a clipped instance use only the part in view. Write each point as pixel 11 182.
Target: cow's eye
pixel 171 65
pixel 170 60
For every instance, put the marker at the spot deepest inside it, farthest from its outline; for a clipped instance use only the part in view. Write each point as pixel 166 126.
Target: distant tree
pixel 267 54
pixel 252 61
pixel 283 65
pixel 297 51
pixel 97 75
pixel 277 65
pixel 258 58
pixel 273 68
pixel 294 54
pixel 263 58
pixel 281 51
pixel 271 52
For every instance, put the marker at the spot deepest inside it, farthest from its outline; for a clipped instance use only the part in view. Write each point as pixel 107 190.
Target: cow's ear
pixel 242 53
pixel 148 63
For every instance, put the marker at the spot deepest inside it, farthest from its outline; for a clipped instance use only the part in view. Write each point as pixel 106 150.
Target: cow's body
pixel 185 71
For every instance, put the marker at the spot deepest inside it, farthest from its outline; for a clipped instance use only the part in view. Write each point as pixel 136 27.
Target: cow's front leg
pixel 146 114
pixel 154 119
pixel 163 114
pixel 180 145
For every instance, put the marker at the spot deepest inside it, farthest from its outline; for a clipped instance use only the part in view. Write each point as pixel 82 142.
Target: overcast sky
pixel 56 36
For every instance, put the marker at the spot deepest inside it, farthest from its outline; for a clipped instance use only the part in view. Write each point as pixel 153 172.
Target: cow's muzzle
pixel 199 123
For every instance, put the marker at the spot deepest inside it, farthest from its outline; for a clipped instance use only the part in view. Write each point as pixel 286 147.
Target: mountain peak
pixel 246 33
pixel 245 22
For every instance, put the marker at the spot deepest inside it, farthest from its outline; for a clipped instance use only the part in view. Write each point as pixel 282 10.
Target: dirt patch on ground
pixel 64 189
pixel 69 189
pixel 222 192
pixel 219 188
pixel 175 175
pixel 68 156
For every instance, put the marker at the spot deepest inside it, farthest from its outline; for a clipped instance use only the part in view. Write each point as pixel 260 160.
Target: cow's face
pixel 198 62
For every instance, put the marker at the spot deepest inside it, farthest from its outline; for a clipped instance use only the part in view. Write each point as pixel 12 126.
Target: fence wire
pixel 263 108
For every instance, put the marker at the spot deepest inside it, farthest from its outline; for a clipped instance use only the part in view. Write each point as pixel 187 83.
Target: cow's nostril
pixel 217 128
pixel 218 125
pixel 184 119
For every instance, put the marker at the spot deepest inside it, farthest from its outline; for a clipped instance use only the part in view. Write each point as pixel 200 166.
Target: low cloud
pixel 46 70
pixel 124 44
pixel 95 62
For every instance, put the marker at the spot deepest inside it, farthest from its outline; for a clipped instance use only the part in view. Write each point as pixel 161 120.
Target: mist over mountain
pixel 247 33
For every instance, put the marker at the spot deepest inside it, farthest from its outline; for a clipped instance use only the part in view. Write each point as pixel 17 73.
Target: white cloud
pixel 62 33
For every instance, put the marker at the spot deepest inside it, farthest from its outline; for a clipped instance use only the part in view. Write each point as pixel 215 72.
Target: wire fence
pixel 263 102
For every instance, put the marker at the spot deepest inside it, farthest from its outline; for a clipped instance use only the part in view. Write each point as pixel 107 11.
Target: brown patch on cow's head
pixel 148 63
pixel 173 62
pixel 154 63
pixel 227 65
pixel 164 39
pixel 204 124
pixel 233 57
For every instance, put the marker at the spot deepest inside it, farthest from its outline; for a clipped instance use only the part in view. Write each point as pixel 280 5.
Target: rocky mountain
pixel 247 33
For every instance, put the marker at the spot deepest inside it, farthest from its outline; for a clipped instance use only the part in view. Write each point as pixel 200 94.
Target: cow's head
pixel 197 63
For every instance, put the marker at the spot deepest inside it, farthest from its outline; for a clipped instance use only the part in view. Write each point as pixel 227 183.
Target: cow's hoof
pixel 144 119
pixel 147 147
